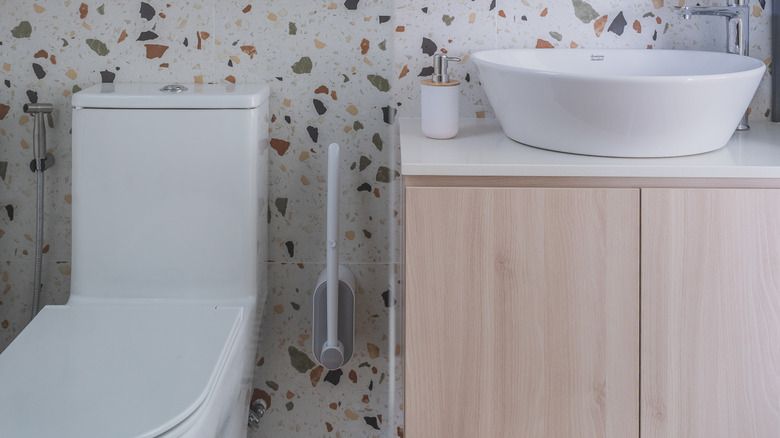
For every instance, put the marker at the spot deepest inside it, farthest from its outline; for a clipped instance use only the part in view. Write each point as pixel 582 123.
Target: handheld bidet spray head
pixel 42 114
pixel 34 108
pixel 40 108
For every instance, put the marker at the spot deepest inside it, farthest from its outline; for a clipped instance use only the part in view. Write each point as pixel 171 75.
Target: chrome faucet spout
pixel 737 15
pixel 736 11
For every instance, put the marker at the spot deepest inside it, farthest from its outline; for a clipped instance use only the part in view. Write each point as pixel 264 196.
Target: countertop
pixel 482 149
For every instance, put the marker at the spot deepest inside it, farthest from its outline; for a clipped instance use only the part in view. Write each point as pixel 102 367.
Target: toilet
pixel 159 334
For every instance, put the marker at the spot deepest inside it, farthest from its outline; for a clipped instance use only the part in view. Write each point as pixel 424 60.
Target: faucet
pixel 737 15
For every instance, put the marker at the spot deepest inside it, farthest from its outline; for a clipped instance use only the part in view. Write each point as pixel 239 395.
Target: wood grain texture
pixel 710 313
pixel 522 313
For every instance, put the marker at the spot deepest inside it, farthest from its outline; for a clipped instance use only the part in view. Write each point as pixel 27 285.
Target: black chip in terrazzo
pixel 314 133
pixel 388 114
pixel 386 298
pixel 107 77
pixel 147 35
pixel 371 421
pixel 39 71
pixel 319 106
pixel 428 46
pixel 334 377
pixel 426 71
pixel 618 24
pixel 147 11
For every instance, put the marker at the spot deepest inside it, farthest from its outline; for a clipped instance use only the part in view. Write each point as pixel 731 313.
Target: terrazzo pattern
pixel 462 27
pixel 362 398
pixel 339 71
pixel 329 66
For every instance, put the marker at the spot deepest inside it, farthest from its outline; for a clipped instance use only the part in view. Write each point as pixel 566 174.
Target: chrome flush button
pixel 173 88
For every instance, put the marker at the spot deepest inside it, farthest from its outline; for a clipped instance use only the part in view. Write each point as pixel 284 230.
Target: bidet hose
pixel 38 243
pixel 41 112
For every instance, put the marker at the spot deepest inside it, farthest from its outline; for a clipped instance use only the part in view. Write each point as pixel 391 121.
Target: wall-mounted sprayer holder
pixel 333 319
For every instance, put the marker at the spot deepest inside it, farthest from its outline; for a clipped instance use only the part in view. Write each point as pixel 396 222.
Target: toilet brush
pixel 333 320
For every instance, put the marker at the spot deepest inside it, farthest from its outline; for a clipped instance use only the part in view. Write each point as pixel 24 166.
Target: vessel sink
pixel 619 102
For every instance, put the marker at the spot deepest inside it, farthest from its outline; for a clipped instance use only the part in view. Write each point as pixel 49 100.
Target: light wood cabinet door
pixel 522 312
pixel 710 313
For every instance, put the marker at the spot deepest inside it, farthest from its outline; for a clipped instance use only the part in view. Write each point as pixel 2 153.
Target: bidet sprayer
pixel 41 160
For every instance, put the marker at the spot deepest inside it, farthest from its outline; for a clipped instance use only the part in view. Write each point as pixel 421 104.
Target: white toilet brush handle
pixel 333 246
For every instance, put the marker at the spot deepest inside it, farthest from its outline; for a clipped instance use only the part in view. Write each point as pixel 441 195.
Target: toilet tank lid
pixel 159 96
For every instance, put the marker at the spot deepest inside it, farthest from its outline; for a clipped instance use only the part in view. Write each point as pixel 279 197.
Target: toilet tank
pixel 168 189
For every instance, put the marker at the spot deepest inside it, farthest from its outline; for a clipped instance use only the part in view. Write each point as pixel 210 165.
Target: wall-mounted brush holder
pixel 334 357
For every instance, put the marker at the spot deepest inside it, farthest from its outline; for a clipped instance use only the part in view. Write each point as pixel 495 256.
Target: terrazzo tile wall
pixel 339 70
pixel 462 27
pixel 328 64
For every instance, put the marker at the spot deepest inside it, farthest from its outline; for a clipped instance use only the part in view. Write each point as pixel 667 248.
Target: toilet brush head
pixel 332 358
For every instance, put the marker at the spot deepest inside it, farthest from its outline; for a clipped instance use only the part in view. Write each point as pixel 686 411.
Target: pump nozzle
pixel 440 67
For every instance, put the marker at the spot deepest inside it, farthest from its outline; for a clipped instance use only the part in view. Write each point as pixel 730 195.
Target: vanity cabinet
pixel 710 355
pixel 529 310
pixel 522 312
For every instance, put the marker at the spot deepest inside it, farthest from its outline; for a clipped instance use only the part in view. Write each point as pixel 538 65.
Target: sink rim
pixel 746 65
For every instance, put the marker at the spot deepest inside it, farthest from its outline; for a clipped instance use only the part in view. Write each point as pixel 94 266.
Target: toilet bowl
pixel 159 334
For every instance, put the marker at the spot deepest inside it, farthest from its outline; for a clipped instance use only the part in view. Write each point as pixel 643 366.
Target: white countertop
pixel 482 149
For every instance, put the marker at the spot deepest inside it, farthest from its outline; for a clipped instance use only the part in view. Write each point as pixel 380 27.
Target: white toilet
pixel 158 337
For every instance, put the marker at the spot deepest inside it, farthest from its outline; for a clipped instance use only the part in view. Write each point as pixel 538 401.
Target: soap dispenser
pixel 440 96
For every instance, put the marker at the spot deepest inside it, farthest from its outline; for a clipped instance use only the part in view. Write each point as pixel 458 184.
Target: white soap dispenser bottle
pixel 440 101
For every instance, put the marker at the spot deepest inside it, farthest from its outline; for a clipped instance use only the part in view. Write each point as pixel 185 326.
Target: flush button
pixel 173 88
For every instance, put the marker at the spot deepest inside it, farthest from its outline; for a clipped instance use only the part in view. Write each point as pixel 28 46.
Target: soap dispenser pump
pixel 439 97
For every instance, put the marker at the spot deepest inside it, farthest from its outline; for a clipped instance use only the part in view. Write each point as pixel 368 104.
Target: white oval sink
pixel 619 102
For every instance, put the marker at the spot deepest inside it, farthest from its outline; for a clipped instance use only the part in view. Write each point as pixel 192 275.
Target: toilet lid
pixel 112 371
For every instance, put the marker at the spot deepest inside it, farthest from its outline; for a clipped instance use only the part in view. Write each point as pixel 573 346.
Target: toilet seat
pixel 109 370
